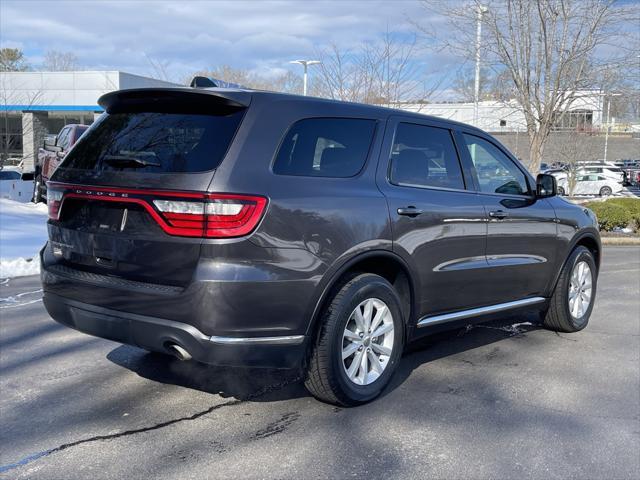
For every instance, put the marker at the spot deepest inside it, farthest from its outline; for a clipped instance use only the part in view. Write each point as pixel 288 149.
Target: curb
pixel 620 241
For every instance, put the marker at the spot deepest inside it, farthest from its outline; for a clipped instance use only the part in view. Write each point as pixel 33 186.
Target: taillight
pixel 54 200
pixel 187 214
pixel 218 216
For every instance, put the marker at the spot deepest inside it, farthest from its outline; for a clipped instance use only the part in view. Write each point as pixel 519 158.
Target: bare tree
pixel 463 85
pixel 12 60
pixel 55 61
pixel 159 68
pixel 12 94
pixel 395 74
pixel 553 50
pixel 385 72
pixel 572 148
pixel 340 76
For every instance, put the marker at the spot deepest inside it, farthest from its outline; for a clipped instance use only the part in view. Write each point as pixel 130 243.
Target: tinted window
pixel 154 142
pixel 9 175
pixel 426 157
pixel 325 147
pixel 63 138
pixel 496 172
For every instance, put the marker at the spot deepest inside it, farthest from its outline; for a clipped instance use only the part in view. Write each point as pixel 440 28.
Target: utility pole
pixel 305 64
pixel 606 132
pixel 480 10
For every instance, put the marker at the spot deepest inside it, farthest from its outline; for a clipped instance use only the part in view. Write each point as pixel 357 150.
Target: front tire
pixel 572 301
pixel 359 343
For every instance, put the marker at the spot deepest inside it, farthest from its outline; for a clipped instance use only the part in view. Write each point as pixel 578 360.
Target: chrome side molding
pixel 282 340
pixel 474 312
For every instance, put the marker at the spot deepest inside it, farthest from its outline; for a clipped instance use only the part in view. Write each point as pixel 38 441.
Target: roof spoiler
pixel 174 100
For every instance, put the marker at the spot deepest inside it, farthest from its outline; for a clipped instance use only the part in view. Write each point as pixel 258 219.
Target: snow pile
pixel 23 232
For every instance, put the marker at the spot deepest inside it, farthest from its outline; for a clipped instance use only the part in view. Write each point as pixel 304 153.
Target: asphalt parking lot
pixel 503 400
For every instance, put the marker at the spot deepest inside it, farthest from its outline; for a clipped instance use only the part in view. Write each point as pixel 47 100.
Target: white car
pixel 16 185
pixel 592 184
pixel 607 170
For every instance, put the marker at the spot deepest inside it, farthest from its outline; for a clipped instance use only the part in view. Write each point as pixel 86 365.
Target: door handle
pixel 410 211
pixel 499 214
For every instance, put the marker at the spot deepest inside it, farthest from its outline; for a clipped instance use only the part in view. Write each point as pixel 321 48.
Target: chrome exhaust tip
pixel 178 352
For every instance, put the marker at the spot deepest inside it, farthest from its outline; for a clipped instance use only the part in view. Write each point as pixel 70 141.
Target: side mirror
pixel 50 141
pixel 546 186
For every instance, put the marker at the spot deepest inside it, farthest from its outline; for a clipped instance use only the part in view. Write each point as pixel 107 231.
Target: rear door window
pixel 155 142
pixel 425 156
pixel 325 147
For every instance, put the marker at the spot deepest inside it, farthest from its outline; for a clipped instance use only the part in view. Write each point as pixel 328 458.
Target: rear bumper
pixel 156 334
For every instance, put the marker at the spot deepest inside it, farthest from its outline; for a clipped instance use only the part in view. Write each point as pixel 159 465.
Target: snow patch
pixel 19 267
pixel 23 232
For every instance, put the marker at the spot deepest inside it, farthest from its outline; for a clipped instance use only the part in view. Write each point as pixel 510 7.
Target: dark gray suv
pixel 256 229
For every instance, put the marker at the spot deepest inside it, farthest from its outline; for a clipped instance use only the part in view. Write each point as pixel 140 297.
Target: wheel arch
pixel 586 239
pixel 385 263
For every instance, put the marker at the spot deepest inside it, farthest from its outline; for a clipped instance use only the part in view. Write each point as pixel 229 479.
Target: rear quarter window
pixel 325 147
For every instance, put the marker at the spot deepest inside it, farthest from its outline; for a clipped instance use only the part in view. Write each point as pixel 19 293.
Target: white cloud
pixel 197 34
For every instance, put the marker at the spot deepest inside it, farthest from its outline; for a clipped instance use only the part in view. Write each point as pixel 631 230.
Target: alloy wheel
pixel 580 288
pixel 367 341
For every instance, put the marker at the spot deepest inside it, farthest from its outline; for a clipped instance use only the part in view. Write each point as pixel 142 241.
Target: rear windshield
pixel 154 142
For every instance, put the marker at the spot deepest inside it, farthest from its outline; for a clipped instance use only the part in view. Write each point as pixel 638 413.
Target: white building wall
pixel 490 113
pixel 67 89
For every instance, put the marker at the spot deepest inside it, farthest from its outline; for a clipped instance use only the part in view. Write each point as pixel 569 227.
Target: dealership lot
pixel 503 400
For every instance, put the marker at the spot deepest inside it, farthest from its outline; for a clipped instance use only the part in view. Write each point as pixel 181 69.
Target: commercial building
pixel 33 104
pixel 584 114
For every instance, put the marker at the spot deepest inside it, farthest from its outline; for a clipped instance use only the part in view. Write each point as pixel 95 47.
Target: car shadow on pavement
pixel 239 383
pixel 465 344
pixel 273 385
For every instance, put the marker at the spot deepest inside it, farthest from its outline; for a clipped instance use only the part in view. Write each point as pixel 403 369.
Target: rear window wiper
pixel 125 161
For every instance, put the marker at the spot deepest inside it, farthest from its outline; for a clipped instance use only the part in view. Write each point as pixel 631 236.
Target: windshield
pixel 155 142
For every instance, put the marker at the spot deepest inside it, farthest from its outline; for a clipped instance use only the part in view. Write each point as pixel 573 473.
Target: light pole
pixel 305 64
pixel 476 97
pixel 606 132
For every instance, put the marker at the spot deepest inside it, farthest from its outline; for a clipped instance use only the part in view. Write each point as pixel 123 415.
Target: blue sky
pixel 192 35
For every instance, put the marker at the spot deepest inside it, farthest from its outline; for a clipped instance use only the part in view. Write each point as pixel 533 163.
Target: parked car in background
pixel 607 170
pixel 259 229
pixel 593 184
pixel 54 150
pixel 631 170
pixel 16 185
pixel 627 163
pixel 632 176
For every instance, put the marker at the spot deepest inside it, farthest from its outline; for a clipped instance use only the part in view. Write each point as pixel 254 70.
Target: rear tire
pixel 561 191
pixel 605 191
pixel 572 301
pixel 358 377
